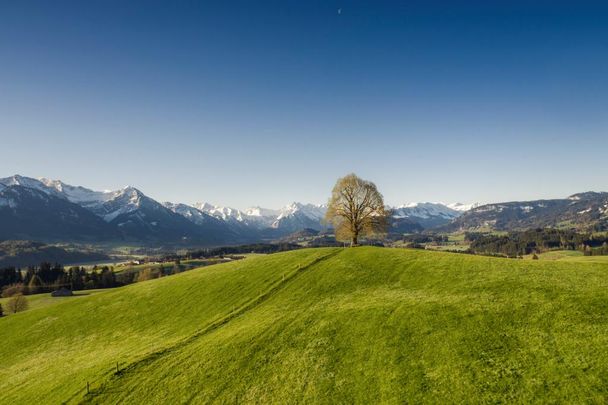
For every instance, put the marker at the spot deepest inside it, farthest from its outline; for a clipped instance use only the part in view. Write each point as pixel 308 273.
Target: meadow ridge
pixel 325 325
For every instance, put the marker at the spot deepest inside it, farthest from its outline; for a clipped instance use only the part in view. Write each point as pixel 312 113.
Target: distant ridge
pixel 584 211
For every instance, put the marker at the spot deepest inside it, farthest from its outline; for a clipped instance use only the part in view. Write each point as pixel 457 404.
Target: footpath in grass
pixel 50 354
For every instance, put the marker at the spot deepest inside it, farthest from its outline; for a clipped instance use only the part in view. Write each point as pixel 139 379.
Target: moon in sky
pixel 339 11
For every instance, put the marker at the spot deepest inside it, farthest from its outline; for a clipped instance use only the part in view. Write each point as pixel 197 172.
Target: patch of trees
pixel 536 241
pixel 263 248
pixel 473 236
pixel 420 239
pixel 48 277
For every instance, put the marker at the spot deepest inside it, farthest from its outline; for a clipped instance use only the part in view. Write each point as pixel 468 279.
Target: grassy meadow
pixel 37 301
pixel 330 325
pixel 574 256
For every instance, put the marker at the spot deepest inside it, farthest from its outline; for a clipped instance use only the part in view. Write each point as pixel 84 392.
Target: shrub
pixel 17 303
pixel 12 289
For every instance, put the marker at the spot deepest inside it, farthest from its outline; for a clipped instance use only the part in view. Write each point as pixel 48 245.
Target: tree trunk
pixel 355 240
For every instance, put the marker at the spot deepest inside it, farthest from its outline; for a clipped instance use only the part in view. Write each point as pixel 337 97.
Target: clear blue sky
pixel 266 102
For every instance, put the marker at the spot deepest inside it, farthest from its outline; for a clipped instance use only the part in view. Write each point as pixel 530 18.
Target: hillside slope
pixel 584 211
pixel 326 325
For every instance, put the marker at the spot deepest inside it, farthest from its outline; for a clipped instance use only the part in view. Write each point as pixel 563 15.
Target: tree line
pixel 536 241
pixel 48 277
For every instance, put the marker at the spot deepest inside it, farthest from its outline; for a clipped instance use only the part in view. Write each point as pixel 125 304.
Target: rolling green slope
pixel 325 325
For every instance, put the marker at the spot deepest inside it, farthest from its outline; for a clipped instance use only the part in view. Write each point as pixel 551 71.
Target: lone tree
pixel 356 209
pixel 17 303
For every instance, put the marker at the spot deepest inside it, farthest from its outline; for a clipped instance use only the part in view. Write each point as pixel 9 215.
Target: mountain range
pixel 51 211
pixel 584 212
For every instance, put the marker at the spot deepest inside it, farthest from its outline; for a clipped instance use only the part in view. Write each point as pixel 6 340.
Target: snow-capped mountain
pixel 256 217
pixel 425 210
pixel 107 204
pixel 129 213
pixel 31 213
pixel 462 207
pixel 298 216
pixel 293 217
pixel 78 195
pixel 191 213
pixel 261 212
pixel 428 214
pixel 220 212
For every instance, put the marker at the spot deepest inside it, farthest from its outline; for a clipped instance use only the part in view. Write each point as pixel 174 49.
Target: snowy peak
pixel 261 212
pixel 430 209
pixel 111 205
pixel 76 194
pixel 294 215
pixel 588 195
pixel 311 211
pixel 430 214
pixel 223 213
pixel 106 204
pixel 462 207
pixel 27 182
pixel 425 210
pixel 297 216
pixel 256 217
pixel 190 213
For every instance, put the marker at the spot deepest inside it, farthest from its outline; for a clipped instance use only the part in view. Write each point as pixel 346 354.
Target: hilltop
pixel 325 325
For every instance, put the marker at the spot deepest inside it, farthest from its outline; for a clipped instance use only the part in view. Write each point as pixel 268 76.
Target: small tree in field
pixel 17 303
pixel 356 209
pixel 12 289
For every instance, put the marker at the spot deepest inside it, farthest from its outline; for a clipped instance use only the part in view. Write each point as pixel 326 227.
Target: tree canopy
pixel 356 209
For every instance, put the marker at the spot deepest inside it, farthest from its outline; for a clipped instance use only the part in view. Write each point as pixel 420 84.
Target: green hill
pixel 358 325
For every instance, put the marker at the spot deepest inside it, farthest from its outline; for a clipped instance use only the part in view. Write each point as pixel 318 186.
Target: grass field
pixel 186 265
pixel 570 256
pixel 361 325
pixel 44 300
